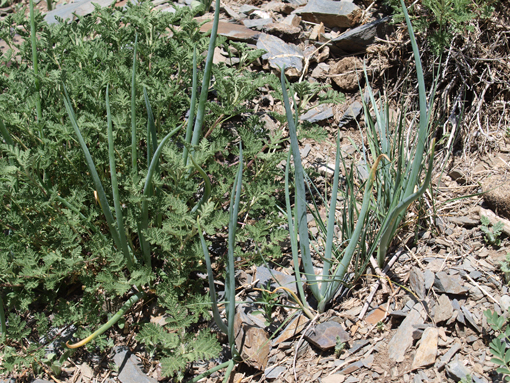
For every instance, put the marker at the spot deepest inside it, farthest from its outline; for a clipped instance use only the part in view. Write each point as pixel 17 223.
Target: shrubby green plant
pixel 128 76
pixel 388 192
pixel 492 232
pixel 498 345
pixel 441 20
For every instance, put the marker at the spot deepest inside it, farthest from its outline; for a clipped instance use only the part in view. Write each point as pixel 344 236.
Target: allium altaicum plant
pixel 393 183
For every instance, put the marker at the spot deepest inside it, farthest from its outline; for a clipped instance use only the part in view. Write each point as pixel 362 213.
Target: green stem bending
pixel 229 365
pixel 129 303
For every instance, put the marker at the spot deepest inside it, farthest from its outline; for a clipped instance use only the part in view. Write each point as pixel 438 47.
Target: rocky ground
pixel 421 319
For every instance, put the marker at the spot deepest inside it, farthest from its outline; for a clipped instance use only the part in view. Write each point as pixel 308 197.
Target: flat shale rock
pixel 319 113
pixel 257 24
pixel 277 278
pixel 403 338
pixel 358 39
pixel 295 326
pixel 283 31
pixel 346 70
pixel 351 114
pixel 252 342
pixel 341 14
pixel 325 334
pixel 443 309
pixel 449 284
pixel 427 351
pixel 497 194
pixel 457 371
pixel 79 7
pixel 129 367
pixel 232 31
pixel 417 282
pixel 281 54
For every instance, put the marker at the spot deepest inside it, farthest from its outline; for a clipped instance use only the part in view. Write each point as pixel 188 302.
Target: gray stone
pixel 357 345
pixel 417 282
pixel 129 367
pixel 295 326
pixel 283 31
pixel 232 31
pixel 358 39
pixel 257 24
pixel 504 302
pixel 443 309
pixel 457 371
pixel 320 71
pixel 351 114
pixel 305 151
pixel 449 284
pixel 319 113
pixel 427 351
pixel 293 20
pixel 449 355
pixel 342 14
pixel 325 335
pixel 297 2
pixel 470 319
pixel 247 9
pixel 280 54
pixel 79 8
pixel 274 372
pixel 403 338
pixel 277 278
pixel 428 279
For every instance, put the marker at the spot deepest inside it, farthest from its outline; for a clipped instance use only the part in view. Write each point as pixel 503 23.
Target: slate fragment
pixel 457 371
pixel 341 14
pixel 470 318
pixel 403 338
pixel 358 39
pixel 232 31
pixel 417 282
pixel 295 326
pixel 449 284
pixel 351 114
pixel 320 113
pixel 129 367
pixel 274 372
pixel 277 278
pixel 325 334
pixel 429 279
pixel 449 355
pixel 257 24
pixel 79 7
pixel 252 342
pixel 443 309
pixel 427 351
pixel 284 31
pixel 281 54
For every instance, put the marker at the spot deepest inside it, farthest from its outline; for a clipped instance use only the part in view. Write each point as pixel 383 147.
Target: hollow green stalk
pixel 115 187
pixel 197 130
pixel 191 118
pixel 97 181
pixel 114 319
pixel 33 40
pixel 134 152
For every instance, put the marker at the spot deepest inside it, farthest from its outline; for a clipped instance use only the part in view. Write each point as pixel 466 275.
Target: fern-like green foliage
pixel 56 252
pixel 441 20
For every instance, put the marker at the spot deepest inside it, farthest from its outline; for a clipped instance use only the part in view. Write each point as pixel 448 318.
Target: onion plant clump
pixel 104 176
pixel 398 157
